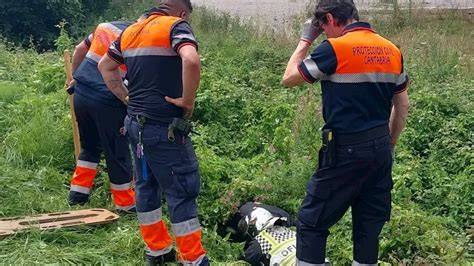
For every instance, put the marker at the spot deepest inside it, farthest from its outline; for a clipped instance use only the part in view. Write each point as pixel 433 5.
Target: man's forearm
pixel 79 54
pixel 191 78
pixel 300 53
pixel 115 84
pixel 398 116
pixel 291 77
pixel 397 123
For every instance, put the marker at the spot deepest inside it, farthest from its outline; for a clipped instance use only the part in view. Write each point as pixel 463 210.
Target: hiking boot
pixel 77 198
pixel 160 260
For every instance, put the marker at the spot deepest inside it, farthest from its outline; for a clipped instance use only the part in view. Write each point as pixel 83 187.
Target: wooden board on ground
pixel 48 221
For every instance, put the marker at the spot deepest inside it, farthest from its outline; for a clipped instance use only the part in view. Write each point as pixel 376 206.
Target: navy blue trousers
pixel 172 169
pixel 362 180
pixel 99 129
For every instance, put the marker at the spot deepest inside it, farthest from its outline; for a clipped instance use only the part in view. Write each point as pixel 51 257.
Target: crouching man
pixel 266 230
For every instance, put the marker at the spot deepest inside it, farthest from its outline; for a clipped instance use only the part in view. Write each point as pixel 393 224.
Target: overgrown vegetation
pixel 258 141
pixel 33 23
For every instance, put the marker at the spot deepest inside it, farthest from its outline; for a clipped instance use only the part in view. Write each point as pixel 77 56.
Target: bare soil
pixel 281 11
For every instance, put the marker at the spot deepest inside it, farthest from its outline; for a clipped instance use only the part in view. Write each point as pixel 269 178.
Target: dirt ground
pixel 281 11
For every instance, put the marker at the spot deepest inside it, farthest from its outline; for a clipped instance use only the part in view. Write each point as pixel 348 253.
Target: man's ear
pixel 331 20
pixel 183 15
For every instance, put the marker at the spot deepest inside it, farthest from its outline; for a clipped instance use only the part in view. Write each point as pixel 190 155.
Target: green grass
pixel 10 91
pixel 258 141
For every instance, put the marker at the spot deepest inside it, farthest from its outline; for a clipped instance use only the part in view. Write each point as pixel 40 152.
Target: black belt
pixel 368 135
pixel 160 121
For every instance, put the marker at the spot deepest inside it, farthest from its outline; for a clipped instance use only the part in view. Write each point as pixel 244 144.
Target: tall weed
pixel 39 132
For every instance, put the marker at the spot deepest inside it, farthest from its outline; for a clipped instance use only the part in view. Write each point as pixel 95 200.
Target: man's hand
pixel 310 32
pixel 72 83
pixel 188 108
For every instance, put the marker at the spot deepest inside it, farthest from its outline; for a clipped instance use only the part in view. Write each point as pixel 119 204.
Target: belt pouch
pixel 329 149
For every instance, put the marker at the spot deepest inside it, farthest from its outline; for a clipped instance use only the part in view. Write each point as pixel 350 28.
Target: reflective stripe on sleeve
pixel 401 79
pixel 313 68
pixel 186 227
pixel 80 189
pixel 86 164
pixel 184 36
pixel 373 77
pixel 151 217
pixel 161 51
pixel 115 54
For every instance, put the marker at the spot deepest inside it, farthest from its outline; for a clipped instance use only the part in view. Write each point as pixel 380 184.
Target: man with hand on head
pixel 163 65
pixel 365 104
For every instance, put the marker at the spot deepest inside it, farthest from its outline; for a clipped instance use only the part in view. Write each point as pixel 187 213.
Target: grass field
pixel 258 141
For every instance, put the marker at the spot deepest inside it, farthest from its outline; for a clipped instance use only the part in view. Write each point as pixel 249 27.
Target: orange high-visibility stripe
pixel 190 247
pixel 154 31
pixel 83 177
pixel 123 198
pixel 156 236
pixel 355 56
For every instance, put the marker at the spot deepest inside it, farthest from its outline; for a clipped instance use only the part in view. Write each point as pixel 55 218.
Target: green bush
pixel 416 237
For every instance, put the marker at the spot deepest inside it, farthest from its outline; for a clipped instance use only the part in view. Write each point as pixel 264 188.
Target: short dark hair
pixel 181 3
pixel 188 4
pixel 341 10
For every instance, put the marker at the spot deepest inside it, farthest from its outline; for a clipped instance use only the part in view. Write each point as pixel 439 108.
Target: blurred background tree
pixel 34 23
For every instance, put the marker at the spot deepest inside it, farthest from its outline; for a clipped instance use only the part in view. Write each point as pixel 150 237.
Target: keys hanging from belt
pixel 141 126
pixel 140 150
pixel 140 145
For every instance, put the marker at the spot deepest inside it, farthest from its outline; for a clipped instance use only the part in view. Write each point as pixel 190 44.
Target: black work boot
pixel 160 260
pixel 77 198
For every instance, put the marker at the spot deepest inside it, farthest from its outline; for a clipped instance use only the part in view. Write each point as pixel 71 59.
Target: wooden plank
pixel 48 221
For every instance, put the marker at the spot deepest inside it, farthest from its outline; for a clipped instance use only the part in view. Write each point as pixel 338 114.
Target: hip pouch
pixel 182 126
pixel 328 156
